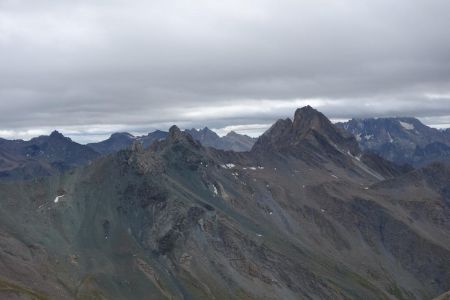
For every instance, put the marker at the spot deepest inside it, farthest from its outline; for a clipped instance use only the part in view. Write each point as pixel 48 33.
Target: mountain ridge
pixel 304 217
pixel 400 139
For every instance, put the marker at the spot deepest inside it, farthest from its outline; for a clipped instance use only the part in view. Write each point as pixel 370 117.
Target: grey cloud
pixel 140 65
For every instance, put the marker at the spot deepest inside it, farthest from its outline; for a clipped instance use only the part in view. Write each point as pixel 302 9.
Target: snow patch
pixel 253 168
pixel 214 190
pixel 407 126
pixel 390 138
pixel 57 198
pixel 334 176
pixel 228 166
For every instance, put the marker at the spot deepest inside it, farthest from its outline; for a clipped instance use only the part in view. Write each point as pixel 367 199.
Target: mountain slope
pixel 305 218
pixel 402 140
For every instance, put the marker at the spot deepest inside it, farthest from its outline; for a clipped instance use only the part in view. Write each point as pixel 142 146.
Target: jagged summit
pixel 402 139
pixel 57 135
pixel 174 131
pixel 206 136
pixel 310 128
pixel 231 141
pixel 175 136
pixel 307 118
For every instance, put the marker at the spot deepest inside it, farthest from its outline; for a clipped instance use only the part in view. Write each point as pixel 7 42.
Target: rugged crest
pixel 402 140
pixel 182 221
pixel 310 128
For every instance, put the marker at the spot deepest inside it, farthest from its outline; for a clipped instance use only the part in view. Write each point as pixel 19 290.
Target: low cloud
pixel 89 68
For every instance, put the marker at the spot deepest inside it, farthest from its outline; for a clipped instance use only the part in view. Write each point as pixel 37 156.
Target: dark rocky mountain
pixel 116 142
pixel 41 156
pixel 149 139
pixel 402 140
pixel 311 130
pixel 232 141
pixel 303 215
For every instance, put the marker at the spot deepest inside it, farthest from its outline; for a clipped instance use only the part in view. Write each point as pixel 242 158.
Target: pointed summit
pixel 174 132
pixel 175 136
pixel 308 118
pixel 56 134
pixel 310 131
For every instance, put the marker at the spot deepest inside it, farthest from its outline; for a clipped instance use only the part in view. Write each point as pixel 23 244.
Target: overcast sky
pixel 89 68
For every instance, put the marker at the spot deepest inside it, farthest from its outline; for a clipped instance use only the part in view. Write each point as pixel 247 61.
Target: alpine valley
pixel 303 212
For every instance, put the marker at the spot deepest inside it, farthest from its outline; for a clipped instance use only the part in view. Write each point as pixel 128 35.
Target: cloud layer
pixel 92 67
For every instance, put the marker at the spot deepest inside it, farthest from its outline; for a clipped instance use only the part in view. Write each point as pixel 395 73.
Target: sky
pixel 92 67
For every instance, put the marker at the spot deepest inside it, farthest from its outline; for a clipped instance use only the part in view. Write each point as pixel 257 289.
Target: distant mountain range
pixel 305 214
pixel 402 140
pixel 232 141
pixel 123 140
pixel 41 156
pixel 48 155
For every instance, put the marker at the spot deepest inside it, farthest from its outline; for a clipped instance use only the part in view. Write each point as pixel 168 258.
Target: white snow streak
pixel 407 126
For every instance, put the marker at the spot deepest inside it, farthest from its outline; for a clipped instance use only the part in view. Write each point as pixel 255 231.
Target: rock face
pixel 309 126
pixel 402 140
pixel 41 156
pixel 304 215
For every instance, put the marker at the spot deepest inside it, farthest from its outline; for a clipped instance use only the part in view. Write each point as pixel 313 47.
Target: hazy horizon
pixel 254 130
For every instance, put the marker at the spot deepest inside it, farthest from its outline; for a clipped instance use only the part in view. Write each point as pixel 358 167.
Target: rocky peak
pixel 309 126
pixel 174 132
pixel 204 135
pixel 175 136
pixel 57 135
pixel 232 133
pixel 307 118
